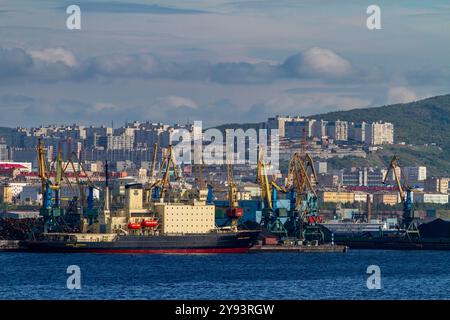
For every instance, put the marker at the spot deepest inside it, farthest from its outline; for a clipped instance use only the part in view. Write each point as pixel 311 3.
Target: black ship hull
pixel 230 242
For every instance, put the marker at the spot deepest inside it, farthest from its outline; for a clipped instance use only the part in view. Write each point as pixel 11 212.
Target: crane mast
pixel 405 197
pixel 234 212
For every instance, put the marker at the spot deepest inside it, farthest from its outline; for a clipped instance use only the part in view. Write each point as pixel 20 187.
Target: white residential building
pixel 439 198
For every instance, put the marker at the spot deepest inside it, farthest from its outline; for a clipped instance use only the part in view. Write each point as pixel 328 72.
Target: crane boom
pixel 155 152
pixel 393 166
pixel 42 166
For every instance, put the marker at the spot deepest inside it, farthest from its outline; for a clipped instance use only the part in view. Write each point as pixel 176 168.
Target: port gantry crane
pixel 234 212
pixel 404 190
pixel 269 219
pixel 203 186
pixel 87 202
pixel 50 211
pixel 304 219
pixel 160 184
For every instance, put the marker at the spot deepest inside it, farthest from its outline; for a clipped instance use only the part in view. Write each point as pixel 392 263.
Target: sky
pixel 217 61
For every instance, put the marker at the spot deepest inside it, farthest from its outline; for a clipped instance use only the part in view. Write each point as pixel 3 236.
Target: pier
pixel 325 248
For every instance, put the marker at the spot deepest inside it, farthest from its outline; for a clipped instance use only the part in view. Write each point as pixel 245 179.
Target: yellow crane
pixel 269 219
pixel 263 180
pixel 234 212
pixel 405 196
pixel 49 211
pixel 155 153
pixel 161 182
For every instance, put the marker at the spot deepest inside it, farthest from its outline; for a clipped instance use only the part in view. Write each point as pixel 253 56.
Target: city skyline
pixel 156 60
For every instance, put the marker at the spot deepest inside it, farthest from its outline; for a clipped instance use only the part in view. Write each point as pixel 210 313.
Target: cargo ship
pixel 182 223
pixel 213 242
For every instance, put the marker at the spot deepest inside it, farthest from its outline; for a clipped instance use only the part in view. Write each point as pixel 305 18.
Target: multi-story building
pixel 378 133
pixel 337 197
pixel 367 177
pixel 4 152
pixel 321 167
pixel 328 180
pixel 388 198
pixel 298 129
pixel 337 130
pixel 357 132
pixel 6 194
pixel 361 197
pixel 415 174
pixel 279 122
pixel 421 197
pixel 439 185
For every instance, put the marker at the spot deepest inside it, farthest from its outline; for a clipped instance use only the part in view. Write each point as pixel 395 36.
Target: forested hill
pixel 422 122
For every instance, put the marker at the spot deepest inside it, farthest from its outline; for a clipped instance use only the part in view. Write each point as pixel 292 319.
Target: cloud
pixel 123 65
pixel 400 95
pixel 176 102
pixel 55 55
pixel 318 63
pixel 126 7
pixel 243 72
pixel 59 64
pixel 14 62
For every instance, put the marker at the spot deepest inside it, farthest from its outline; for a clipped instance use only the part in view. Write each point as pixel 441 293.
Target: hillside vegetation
pixel 421 124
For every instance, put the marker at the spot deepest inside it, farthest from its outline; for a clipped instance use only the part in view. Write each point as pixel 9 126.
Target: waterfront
pixel 404 275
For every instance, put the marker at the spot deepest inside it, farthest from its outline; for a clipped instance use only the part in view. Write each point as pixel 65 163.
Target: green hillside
pixel 418 123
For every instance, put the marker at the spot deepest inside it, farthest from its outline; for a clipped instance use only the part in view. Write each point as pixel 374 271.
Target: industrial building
pixel 388 198
pixel 337 197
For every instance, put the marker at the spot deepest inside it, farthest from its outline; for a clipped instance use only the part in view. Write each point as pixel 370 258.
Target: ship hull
pixel 233 242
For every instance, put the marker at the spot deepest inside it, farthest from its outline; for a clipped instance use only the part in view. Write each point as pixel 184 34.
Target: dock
pixel 324 248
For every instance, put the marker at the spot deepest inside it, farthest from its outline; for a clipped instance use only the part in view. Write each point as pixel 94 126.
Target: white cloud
pixel 400 95
pixel 103 107
pixel 175 102
pixel 54 55
pixel 318 63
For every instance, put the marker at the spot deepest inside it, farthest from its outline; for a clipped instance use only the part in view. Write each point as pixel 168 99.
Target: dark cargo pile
pixel 22 229
pixel 18 229
pixel 435 229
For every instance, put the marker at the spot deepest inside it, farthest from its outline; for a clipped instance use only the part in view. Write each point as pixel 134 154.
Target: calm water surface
pixel 404 275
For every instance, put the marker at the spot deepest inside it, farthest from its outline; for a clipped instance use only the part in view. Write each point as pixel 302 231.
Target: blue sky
pixel 215 61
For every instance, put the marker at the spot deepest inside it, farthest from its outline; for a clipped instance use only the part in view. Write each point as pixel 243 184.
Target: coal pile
pixel 435 229
pixel 19 229
pixel 23 229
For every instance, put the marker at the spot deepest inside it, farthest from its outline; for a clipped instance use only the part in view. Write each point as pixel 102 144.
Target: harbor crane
pixel 50 210
pixel 304 219
pixel 405 191
pixel 202 185
pixel 160 184
pixel 234 212
pixel 270 219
